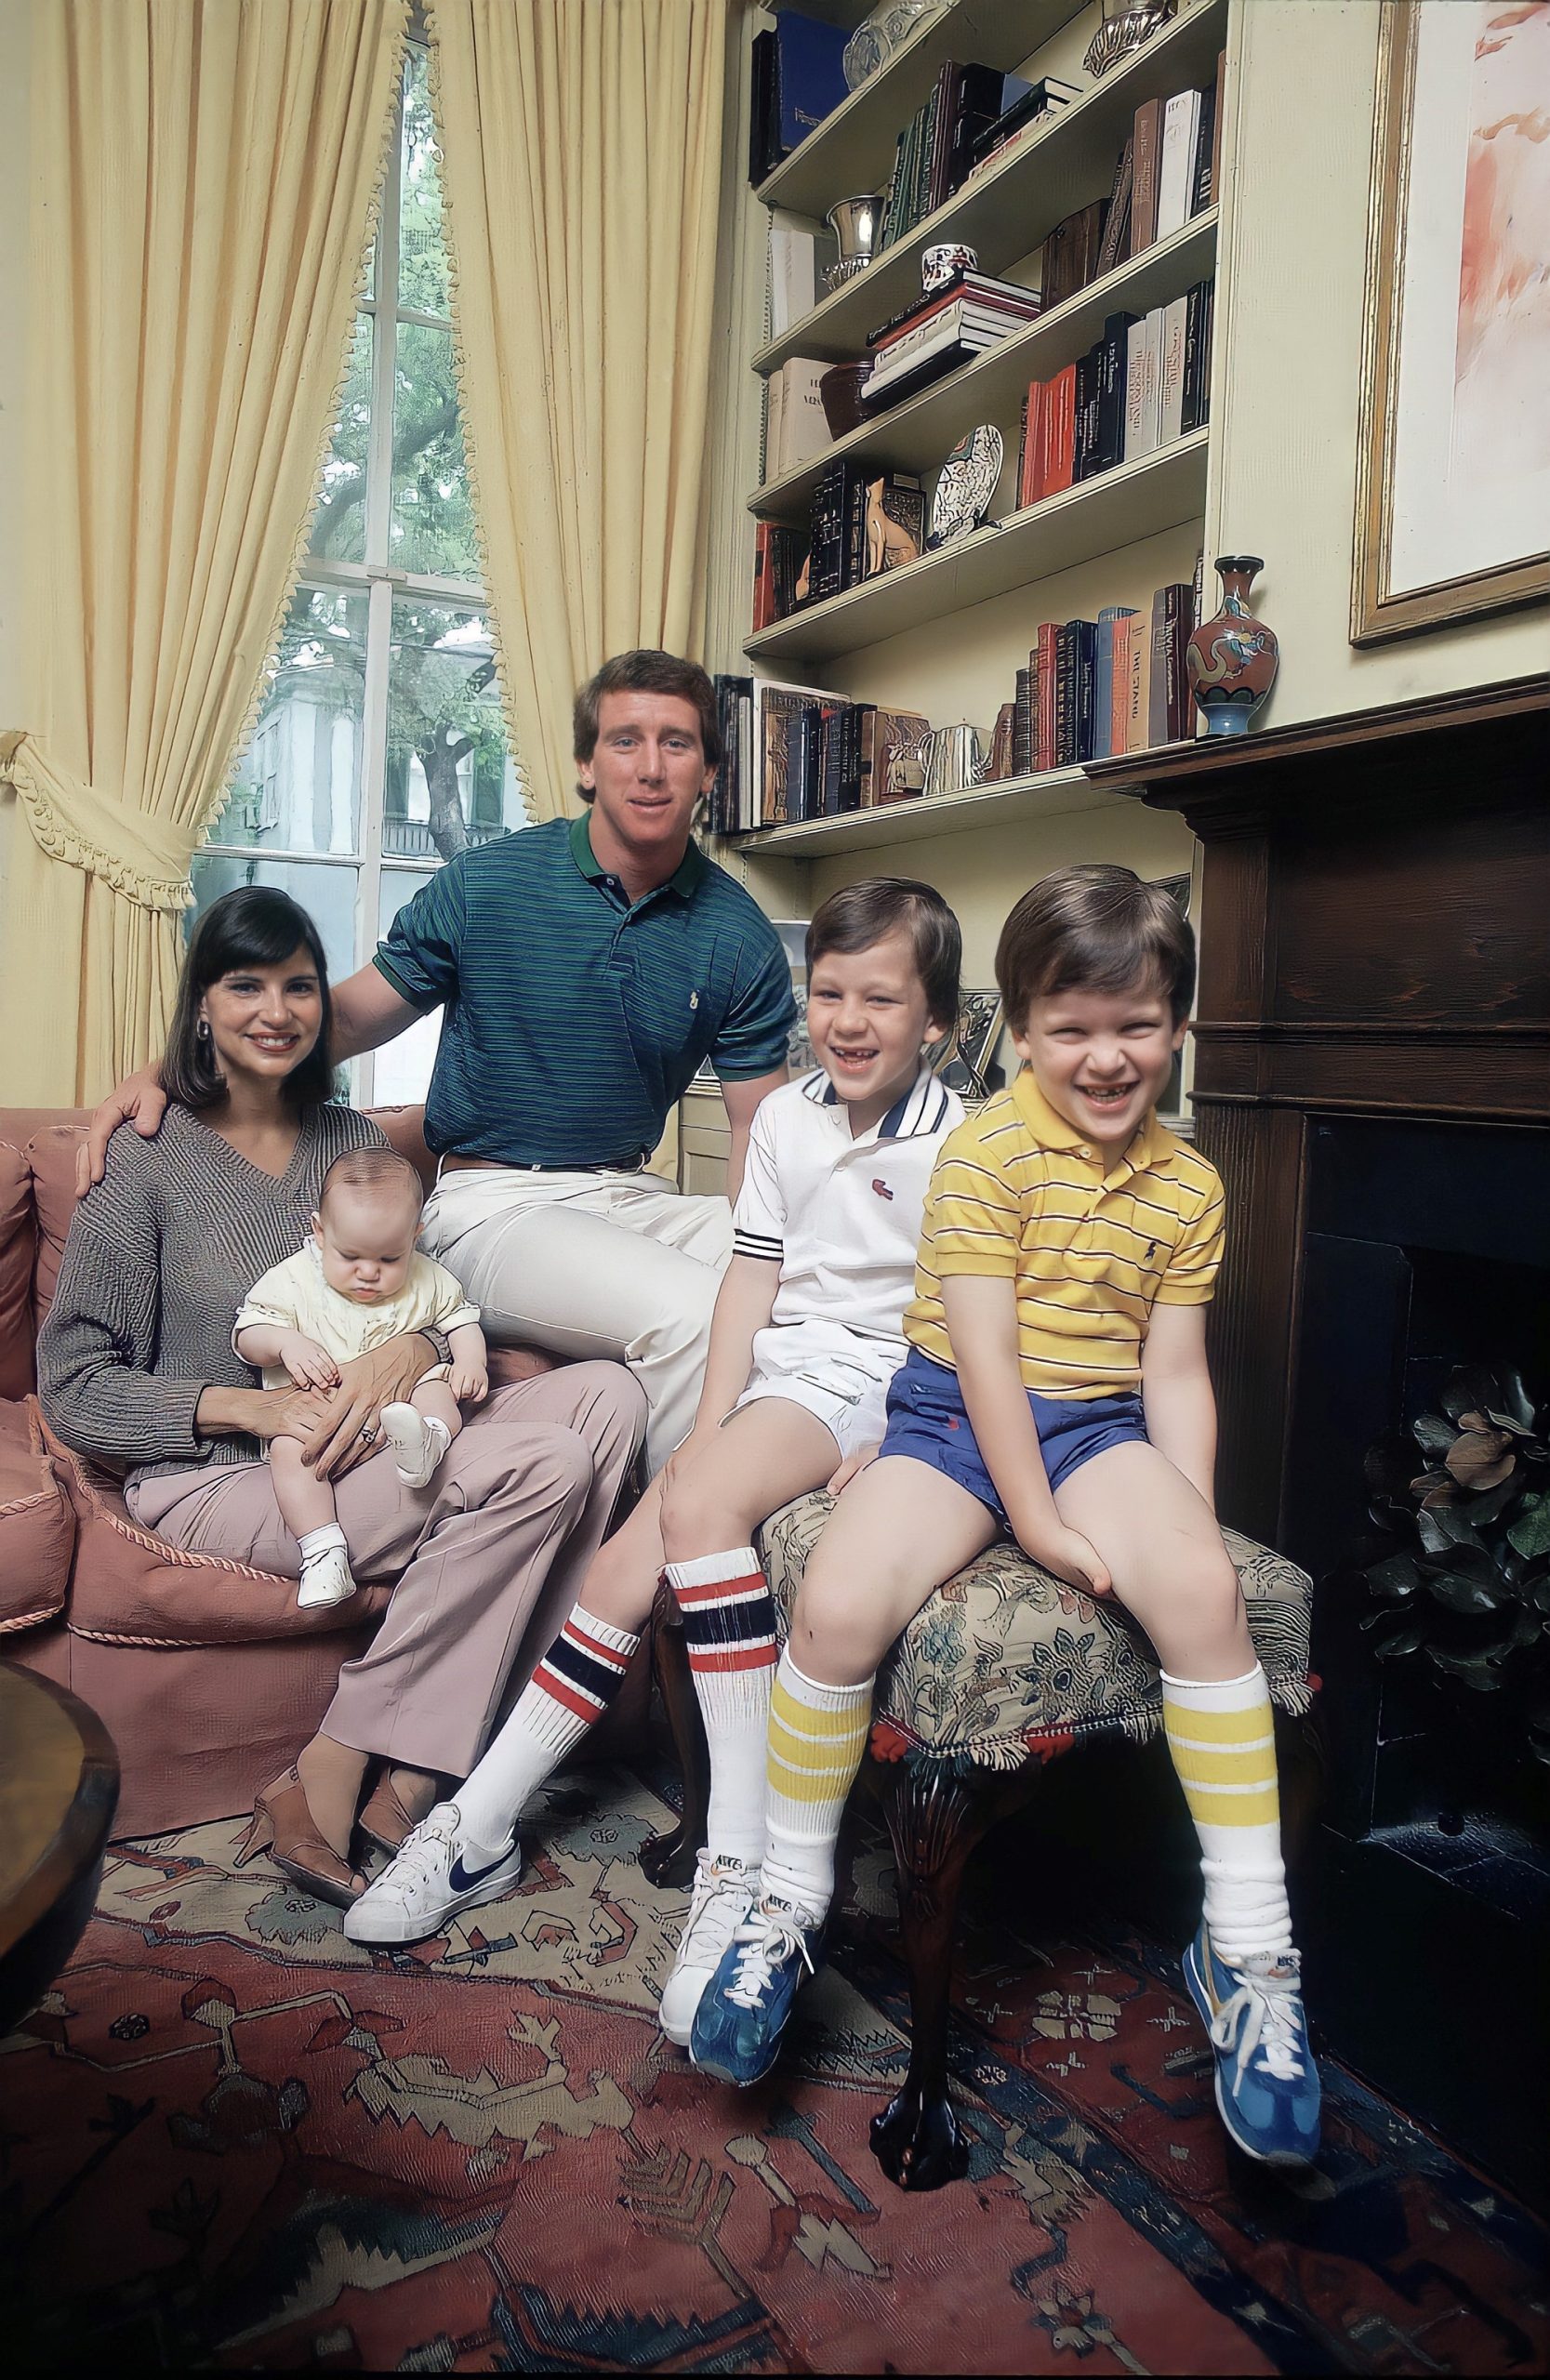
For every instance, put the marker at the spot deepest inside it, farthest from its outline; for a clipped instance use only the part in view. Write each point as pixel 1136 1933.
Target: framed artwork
pixel 966 1060
pixel 1454 451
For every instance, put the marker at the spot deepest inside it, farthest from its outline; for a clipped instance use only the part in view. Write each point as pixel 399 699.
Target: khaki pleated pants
pixel 494 1550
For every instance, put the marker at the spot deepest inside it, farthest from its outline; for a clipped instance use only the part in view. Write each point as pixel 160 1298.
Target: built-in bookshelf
pixel 1136 515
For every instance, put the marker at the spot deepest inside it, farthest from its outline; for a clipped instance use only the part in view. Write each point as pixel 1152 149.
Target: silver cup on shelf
pixel 854 223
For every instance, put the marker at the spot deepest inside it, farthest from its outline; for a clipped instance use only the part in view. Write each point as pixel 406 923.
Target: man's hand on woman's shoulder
pixel 138 1099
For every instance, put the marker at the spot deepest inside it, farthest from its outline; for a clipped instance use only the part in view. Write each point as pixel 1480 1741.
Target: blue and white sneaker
pixel 1266 2081
pixel 429 1883
pixel 744 2008
pixel 721 1901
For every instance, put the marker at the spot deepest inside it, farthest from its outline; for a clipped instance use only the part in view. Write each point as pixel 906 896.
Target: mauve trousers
pixel 502 1536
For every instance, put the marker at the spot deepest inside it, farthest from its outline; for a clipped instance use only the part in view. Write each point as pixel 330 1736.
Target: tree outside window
pixel 379 751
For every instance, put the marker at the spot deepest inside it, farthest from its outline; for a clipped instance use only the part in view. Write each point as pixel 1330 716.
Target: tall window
pixel 379 751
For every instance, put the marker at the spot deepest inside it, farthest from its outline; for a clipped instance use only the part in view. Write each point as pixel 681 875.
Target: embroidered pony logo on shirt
pixel 881 1188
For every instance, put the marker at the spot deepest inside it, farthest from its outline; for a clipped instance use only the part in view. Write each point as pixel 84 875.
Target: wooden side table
pixel 58 1790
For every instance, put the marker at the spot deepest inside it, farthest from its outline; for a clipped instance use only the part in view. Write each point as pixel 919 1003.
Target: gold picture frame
pixel 1394 593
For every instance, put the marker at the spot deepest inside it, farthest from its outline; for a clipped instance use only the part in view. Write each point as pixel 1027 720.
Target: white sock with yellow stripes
pixel 817 1735
pixel 1223 1742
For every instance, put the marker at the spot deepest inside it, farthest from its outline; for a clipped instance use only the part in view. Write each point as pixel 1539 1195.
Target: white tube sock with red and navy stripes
pixel 571 1688
pixel 729 1628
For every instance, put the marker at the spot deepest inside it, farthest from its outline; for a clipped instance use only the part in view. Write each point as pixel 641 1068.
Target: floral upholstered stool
pixel 1002 1671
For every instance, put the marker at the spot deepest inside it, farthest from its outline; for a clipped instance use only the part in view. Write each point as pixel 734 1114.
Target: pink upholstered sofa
pixel 207 1676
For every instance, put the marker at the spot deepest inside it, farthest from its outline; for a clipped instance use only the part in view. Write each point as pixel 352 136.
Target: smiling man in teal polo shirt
pixel 586 968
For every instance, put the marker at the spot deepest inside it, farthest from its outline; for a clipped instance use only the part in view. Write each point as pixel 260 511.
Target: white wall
pixel 15 48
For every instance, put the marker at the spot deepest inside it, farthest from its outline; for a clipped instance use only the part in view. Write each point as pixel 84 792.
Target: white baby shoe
pixel 418 1442
pixel 325 1573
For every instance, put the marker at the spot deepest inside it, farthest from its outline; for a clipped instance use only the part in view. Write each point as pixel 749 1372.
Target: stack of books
pixel 799 77
pixel 795 753
pixel 1144 383
pixel 942 330
pixel 934 151
pixel 1020 123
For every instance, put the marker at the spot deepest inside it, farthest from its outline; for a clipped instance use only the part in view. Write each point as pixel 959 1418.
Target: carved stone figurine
pixel 889 543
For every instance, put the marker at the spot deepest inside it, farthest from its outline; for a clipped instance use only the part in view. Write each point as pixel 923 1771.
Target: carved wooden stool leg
pixel 934 1820
pixel 668 1859
pixel 1301 1761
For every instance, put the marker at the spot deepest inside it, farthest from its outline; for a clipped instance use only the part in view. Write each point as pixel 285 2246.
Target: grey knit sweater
pixel 160 1256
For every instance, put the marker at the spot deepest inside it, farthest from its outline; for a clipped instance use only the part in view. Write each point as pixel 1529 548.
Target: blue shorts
pixel 928 1419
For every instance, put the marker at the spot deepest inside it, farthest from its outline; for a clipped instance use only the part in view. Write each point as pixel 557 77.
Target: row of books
pixel 1095 688
pixel 1168 171
pixel 1146 382
pixel 938 145
pixel 792 753
pixel 863 522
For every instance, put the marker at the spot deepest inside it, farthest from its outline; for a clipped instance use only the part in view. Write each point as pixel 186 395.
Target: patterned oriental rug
pixel 229 2140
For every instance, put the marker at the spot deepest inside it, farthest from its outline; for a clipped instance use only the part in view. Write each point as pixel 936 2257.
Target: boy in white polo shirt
pixel 807 1336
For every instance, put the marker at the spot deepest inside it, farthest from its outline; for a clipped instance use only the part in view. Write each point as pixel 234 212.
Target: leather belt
pixel 633 1164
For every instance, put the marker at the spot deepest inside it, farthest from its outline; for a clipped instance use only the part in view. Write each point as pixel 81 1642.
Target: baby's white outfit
pixel 295 1296
pixel 841 1214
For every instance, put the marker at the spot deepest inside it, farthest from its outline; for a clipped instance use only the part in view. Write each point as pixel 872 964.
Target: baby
pixel 358 1282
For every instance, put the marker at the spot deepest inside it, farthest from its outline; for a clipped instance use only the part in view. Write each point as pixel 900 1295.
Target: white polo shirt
pixel 841 1214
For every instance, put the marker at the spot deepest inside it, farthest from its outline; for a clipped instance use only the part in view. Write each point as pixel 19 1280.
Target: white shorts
pixel 838 1376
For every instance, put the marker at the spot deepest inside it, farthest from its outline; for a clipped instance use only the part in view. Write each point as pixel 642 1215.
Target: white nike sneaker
pixel 428 1882
pixel 417 1442
pixel 328 1578
pixel 721 1900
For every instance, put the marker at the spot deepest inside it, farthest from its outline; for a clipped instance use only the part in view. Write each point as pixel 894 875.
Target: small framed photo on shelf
pixel 966 1060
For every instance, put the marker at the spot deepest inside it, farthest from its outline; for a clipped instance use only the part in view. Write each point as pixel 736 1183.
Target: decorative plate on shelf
pixel 967 483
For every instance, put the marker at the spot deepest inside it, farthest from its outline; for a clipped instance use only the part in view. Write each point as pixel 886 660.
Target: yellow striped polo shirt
pixel 1017 1193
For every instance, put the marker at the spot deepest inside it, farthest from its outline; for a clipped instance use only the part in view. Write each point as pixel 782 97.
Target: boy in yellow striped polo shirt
pixel 1056 1389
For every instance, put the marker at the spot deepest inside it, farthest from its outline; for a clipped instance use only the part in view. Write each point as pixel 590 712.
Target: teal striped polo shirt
pixel 574 1020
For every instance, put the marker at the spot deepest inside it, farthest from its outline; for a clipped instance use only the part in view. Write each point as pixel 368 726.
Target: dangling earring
pixel 202 1029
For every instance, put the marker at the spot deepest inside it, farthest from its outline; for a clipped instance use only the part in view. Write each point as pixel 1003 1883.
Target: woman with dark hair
pixel 136 1367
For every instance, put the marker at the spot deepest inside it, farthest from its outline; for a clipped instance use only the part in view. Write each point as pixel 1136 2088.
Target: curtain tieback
pixel 143 858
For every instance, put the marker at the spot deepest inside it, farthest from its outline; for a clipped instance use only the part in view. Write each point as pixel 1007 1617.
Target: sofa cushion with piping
pixel 37 1527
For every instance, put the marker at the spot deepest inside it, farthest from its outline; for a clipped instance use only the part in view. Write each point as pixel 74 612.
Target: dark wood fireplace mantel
pixel 1375 939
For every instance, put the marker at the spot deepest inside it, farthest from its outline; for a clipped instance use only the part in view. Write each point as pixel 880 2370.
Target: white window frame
pixel 381 585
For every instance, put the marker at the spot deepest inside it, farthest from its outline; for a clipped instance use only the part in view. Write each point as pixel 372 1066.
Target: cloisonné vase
pixel 1232 659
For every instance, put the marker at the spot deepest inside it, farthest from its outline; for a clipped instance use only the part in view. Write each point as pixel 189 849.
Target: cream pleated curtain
pixel 204 177
pixel 582 157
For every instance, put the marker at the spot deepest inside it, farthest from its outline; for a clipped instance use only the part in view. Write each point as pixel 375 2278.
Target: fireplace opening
pixel 1426 1251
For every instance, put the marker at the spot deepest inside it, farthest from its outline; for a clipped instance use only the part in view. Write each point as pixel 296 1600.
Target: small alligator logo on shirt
pixel 881 1188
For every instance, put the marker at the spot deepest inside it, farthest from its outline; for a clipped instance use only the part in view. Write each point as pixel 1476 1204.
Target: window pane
pixel 326 893
pixel 403 1066
pixel 450 781
pixel 424 281
pixel 432 517
pixel 298 788
pixel 339 523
